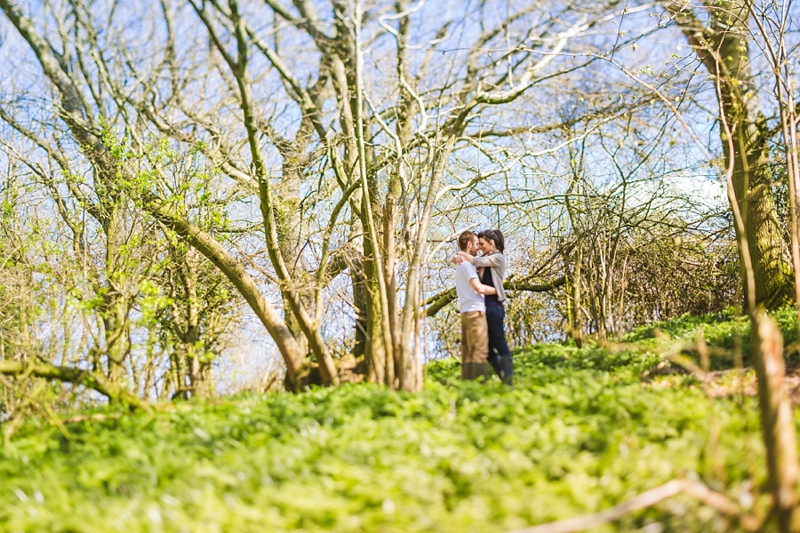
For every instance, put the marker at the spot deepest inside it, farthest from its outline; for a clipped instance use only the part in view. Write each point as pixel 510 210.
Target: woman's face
pixel 486 246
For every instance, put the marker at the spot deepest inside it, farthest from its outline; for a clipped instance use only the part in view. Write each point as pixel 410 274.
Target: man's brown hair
pixel 464 239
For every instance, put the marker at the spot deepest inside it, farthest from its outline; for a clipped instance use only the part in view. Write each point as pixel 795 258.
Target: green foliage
pixel 721 330
pixel 579 433
pixel 717 327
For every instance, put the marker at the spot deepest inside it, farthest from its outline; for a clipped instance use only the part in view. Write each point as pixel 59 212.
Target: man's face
pixel 472 246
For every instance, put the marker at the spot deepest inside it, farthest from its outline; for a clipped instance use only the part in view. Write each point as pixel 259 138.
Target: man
pixel 474 330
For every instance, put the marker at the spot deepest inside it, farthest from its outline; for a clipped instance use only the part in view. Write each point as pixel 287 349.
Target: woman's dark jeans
pixel 499 354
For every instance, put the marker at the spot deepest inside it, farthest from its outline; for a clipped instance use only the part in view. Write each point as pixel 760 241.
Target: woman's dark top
pixel 486 279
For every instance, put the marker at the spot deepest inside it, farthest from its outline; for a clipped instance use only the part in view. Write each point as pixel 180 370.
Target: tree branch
pixel 76 376
pixel 436 302
pixel 717 501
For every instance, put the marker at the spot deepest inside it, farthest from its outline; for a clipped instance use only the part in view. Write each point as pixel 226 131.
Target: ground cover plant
pixel 583 430
pixel 719 329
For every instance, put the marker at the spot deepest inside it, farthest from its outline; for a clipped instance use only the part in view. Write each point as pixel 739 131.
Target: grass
pixel 580 432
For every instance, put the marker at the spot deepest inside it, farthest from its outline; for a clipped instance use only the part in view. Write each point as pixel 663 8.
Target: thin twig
pixel 717 501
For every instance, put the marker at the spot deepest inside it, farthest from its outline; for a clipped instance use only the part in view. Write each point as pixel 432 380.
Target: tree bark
pixel 723 47
pixel 576 317
pixel 776 423
pixel 435 303
pixel 109 389
pixel 293 355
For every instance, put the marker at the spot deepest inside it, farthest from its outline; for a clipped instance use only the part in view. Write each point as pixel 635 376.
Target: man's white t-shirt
pixel 467 297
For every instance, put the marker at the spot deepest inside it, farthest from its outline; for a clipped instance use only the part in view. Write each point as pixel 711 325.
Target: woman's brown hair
pixel 494 235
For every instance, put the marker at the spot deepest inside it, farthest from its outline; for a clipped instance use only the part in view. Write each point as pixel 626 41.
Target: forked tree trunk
pixel 724 47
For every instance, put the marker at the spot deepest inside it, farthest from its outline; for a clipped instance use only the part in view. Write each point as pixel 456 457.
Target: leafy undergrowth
pixel 721 330
pixel 580 432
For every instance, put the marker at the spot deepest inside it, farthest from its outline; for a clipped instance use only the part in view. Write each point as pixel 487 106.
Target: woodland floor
pixel 581 431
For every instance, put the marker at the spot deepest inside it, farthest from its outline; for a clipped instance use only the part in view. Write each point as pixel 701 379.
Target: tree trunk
pixel 367 324
pixel 576 318
pixel 776 422
pixel 723 47
pixel 296 362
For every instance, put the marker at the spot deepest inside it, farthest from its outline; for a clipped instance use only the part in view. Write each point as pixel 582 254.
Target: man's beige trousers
pixel 474 337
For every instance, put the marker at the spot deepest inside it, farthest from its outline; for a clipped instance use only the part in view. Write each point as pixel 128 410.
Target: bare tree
pixel 723 45
pixel 339 120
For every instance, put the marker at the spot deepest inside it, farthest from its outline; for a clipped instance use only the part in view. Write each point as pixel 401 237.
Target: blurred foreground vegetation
pixel 583 430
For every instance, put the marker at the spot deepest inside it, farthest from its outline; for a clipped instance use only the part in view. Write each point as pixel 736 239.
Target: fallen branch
pixel 435 303
pixel 717 501
pixel 96 417
pixel 74 375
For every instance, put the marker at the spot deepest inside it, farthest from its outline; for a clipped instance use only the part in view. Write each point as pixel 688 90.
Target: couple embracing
pixel 479 285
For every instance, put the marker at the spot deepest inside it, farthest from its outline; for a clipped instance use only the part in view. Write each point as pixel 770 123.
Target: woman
pixel 492 271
